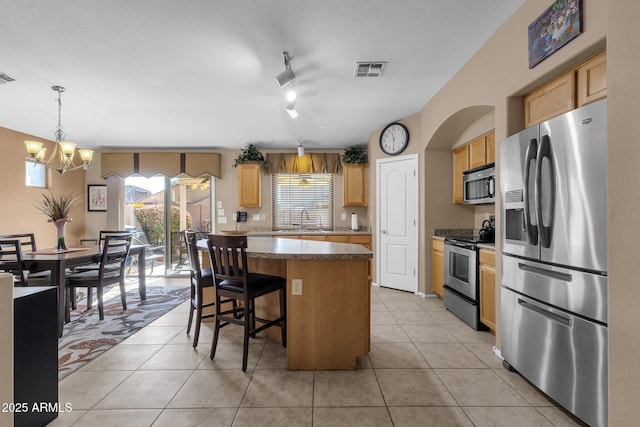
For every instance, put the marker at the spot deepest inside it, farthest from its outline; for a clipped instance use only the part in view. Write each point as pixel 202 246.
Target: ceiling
pixel 201 73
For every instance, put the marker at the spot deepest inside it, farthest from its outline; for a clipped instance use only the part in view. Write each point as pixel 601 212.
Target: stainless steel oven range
pixel 461 287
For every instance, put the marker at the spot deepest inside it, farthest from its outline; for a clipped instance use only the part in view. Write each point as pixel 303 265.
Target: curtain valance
pixel 309 163
pixel 148 163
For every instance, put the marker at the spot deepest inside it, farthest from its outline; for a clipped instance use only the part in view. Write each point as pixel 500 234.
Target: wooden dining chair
pixel 93 265
pixel 11 260
pixel 28 244
pixel 233 280
pixel 111 266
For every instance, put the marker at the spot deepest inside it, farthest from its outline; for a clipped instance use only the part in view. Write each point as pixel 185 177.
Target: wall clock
pixel 394 138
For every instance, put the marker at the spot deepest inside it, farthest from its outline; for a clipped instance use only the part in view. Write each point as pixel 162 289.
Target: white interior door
pixel 398 223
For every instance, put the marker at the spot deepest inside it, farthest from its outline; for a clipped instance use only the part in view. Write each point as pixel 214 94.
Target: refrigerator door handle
pixel 544 150
pixel 565 277
pixel 546 313
pixel 532 230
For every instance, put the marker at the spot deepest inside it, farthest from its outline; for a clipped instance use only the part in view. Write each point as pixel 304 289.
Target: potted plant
pixel 251 154
pixel 355 155
pixel 58 208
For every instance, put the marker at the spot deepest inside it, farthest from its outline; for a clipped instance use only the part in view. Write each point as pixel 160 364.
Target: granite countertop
pixel 311 232
pixel 273 248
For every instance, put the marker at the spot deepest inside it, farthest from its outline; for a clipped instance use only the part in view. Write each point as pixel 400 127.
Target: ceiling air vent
pixel 369 69
pixel 5 78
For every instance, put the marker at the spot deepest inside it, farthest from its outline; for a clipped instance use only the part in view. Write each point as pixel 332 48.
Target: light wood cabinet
pixel 460 164
pixel 488 288
pixel 473 154
pixel 490 142
pixel 477 153
pixel 592 80
pixel 579 86
pixel 249 185
pixel 550 100
pixel 355 185
pixel 437 267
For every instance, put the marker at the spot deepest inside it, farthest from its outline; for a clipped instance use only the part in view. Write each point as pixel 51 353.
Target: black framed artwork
pixel 97 198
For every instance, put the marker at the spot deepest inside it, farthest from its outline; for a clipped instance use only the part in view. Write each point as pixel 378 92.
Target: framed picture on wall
pixel 557 26
pixel 96 198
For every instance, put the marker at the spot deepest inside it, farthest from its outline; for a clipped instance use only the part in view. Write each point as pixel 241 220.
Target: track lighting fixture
pixel 287 76
pixel 301 149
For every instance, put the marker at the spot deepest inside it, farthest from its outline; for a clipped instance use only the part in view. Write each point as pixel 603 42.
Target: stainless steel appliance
pixel 478 185
pixel 553 183
pixel 461 287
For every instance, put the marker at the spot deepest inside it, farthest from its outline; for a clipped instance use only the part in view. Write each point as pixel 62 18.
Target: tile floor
pixel 425 368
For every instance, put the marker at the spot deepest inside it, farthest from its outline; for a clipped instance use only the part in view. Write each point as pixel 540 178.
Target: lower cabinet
pixel 437 267
pixel 488 288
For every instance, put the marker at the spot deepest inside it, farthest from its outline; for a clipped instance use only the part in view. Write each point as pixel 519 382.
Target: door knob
pixel 384 231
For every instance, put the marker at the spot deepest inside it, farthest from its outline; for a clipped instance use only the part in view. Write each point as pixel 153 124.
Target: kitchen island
pixel 328 299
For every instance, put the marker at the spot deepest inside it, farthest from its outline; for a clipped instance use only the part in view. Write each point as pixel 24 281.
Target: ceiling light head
pixel 287 76
pixel 301 149
pixel 292 95
pixel 291 109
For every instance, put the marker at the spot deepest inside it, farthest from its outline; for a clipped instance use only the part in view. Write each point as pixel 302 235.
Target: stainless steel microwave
pixel 479 185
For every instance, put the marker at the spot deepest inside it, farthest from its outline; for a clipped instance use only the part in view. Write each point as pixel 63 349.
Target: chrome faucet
pixel 303 211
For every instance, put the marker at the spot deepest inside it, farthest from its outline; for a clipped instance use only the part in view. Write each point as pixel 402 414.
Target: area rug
pixel 86 337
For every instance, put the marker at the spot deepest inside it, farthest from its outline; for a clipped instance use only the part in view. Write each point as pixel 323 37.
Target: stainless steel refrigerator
pixel 553 182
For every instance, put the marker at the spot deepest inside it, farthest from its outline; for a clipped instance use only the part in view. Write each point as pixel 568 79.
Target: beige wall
pixel 17 212
pixel 623 59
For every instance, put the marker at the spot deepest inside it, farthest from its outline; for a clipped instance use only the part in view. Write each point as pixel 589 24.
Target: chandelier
pixel 62 158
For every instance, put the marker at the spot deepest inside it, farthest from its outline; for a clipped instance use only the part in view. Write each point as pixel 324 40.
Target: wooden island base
pixel 328 324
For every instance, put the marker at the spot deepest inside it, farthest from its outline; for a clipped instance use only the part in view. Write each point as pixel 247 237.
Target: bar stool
pixel 233 280
pixel 200 279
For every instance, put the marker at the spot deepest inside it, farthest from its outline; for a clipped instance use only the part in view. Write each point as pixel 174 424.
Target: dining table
pixel 60 261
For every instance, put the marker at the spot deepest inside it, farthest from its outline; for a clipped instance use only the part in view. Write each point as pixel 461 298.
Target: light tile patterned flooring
pixel 425 368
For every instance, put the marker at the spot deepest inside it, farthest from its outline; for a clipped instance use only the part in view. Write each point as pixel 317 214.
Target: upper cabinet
pixel 592 80
pixel 249 185
pixel 577 87
pixel 476 153
pixel 460 164
pixel 552 99
pixel 355 185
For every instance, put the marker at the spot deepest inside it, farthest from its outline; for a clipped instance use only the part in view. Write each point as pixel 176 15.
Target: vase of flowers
pixel 58 208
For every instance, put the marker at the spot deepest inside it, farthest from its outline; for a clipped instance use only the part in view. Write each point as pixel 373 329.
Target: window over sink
pixel 306 197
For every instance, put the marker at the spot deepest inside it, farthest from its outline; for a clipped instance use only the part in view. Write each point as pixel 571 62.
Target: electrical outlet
pixel 222 220
pixel 234 217
pixel 344 216
pixel 219 204
pixel 256 217
pixel 296 287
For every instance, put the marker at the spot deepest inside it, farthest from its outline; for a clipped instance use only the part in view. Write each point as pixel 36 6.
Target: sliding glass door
pixel 158 209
